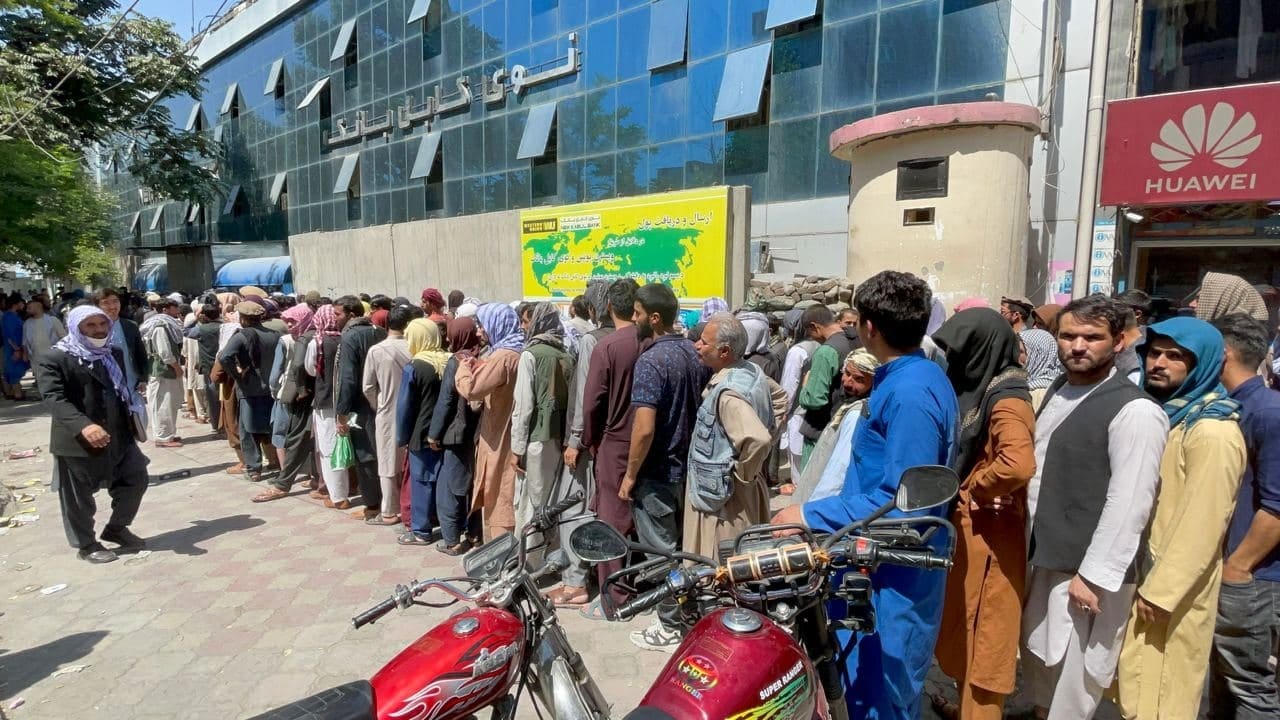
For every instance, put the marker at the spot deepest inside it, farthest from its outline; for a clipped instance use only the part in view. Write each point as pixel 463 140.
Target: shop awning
pixel 151 277
pixel 426 159
pixel 537 129
pixel 266 272
pixel 743 82
pixel 785 12
pixel 668 30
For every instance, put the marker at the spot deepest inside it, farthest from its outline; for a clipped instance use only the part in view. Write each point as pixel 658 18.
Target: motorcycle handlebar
pixel 923 559
pixel 374 613
pixel 548 517
pixel 640 603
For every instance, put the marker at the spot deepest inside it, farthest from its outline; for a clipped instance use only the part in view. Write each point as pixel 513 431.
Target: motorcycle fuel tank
pixel 463 664
pixel 737 665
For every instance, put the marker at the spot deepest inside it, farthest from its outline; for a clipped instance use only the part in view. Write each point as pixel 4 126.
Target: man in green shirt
pixel 821 394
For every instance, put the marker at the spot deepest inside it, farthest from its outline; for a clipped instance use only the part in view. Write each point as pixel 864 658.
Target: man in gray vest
pixel 1099 440
pixel 736 424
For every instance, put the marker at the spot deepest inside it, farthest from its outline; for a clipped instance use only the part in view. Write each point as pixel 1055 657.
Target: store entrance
pixel 1174 269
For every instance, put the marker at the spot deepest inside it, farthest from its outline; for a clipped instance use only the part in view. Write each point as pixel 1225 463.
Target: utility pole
pixel 1092 149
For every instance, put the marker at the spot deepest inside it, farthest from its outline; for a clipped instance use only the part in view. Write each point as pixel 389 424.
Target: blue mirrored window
pixel 600 56
pixel 709 24
pixel 970 29
pixel 668 29
pixel 797 74
pixel 668 92
pixel 746 22
pixel 908 51
pixel 633 54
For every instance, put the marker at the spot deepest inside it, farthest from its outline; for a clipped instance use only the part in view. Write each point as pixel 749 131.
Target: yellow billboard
pixel 677 238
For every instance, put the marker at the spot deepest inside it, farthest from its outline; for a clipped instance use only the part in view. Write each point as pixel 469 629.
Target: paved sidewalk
pixel 239 608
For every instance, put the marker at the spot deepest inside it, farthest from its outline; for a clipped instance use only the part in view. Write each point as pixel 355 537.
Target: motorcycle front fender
pixel 559 678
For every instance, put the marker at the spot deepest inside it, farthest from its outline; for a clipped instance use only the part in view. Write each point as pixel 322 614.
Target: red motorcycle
pixel 761 645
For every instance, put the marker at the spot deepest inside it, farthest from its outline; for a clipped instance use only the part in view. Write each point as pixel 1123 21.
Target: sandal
pixel 340 505
pixel 412 538
pixel 568 597
pixel 364 514
pixel 269 495
pixel 453 550
pixel 593 611
pixel 318 494
pixel 384 520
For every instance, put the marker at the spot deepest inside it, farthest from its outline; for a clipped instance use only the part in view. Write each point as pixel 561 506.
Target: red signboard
pixel 1219 145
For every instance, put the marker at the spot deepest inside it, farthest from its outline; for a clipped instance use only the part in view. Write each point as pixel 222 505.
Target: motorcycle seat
pixel 353 701
pixel 645 712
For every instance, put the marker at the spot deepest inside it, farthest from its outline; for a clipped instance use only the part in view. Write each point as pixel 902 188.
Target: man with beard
pixel 358 335
pixel 666 393
pixel 248 358
pixel 1099 439
pixel 1170 633
pixel 162 334
pixel 92 436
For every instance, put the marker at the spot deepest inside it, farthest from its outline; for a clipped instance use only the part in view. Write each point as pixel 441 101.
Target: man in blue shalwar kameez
pixel 911 421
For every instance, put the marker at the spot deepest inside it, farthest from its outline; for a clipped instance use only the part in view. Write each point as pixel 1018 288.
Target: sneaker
pixel 124 538
pixel 97 554
pixel 657 638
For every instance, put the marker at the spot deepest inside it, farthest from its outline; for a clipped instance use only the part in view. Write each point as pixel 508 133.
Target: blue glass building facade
pixel 640 114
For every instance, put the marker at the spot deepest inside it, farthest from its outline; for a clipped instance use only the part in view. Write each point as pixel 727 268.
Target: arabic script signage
pixel 678 238
pixel 1217 145
pixel 493 90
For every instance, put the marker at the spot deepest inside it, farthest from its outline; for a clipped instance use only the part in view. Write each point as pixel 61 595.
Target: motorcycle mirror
pixel 597 542
pixel 926 486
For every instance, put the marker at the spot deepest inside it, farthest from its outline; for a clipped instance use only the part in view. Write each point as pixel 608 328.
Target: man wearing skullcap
pixel 433 305
pixel 249 291
pixel 248 357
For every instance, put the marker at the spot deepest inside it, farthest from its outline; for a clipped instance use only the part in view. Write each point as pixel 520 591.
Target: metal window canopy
pixel 425 161
pixel 196 117
pixel 347 173
pixel 344 40
pixel 193 212
pixel 668 33
pixel 785 12
pixel 217 133
pixel 537 130
pixel 158 217
pixel 418 11
pixel 274 77
pixel 231 99
pixel 743 82
pixel 136 222
pixel 236 192
pixel 314 92
pixel 277 187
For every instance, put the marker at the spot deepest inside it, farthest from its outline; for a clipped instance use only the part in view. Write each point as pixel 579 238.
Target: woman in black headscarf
pixel 995 454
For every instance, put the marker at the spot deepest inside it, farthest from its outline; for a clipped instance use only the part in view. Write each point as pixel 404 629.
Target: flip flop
pixel 269 495
pixel 383 520
pixel 411 538
pixel 593 611
pixel 563 597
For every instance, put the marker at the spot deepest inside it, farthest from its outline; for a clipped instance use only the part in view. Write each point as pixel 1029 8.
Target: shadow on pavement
pixel 22 669
pixel 187 540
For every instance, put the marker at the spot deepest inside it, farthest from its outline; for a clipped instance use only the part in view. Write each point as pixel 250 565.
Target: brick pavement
pixel 239 608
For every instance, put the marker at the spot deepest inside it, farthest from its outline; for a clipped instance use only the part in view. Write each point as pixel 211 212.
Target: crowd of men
pixel 1120 489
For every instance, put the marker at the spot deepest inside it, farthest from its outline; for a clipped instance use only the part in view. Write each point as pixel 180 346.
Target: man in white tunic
pixel 1099 440
pixel 383 370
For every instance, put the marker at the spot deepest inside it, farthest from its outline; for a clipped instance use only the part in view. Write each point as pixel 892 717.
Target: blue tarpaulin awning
pixel 268 273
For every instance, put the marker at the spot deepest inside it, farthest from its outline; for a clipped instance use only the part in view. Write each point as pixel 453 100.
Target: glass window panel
pixel 472 39
pixel 632 55
pixel 571 120
pixel 573 14
pixel 495 192
pixel 708 28
pixel 495 30
pixel 381 169
pixel 792 157
pixel 908 51
pixel 452 153
pixel 848 62
pixel 668 93
pixel 545 18
pixel 600 55
pixel 844 9
pixel 743 82
pixel 378 69
pixel 974 49
pixel 666 167
pixel 797 74
pixel 832 172
pixel 452 198
pixel 518 189
pixel 382 208
pixel 570 187
pixel 628 4
pixel 704 161
pixel 632 172
pixel 597 9
pixel 400 205
pixel 473 195
pixel 515 134
pixel 746 22
pixel 452 31
pixel 518 14
pixel 905 104
pixel 379 30
pixel 602 119
pixel 598 178
pixel 633 114
pixel 544 178
pixel 473 149
pixel 668 31
pixel 495 143
pixel 746 159
pixel 785 12
pixel 704 87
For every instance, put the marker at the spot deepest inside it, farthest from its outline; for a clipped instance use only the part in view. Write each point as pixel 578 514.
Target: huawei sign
pixel 1207 148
